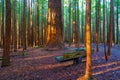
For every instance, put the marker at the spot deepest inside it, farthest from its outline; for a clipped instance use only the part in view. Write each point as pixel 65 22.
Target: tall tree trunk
pixel 69 27
pixel 24 26
pixel 107 17
pixel 37 24
pixel 31 27
pixel 75 27
pixel 104 37
pixel 82 23
pixel 15 28
pixel 97 24
pixel 110 28
pixel 117 19
pixel 88 72
pixel 113 30
pixel 77 24
pixel 88 41
pixel 2 27
pixel 28 28
pixel 6 51
pixel 43 25
pixel 55 25
pixel 19 39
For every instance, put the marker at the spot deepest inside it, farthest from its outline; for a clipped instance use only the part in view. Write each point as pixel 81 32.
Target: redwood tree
pixel 117 19
pixel 104 40
pixel 54 31
pixel 15 27
pixel 2 26
pixel 88 42
pixel 37 24
pixel 6 51
pixel 97 24
pixel 111 24
pixel 24 26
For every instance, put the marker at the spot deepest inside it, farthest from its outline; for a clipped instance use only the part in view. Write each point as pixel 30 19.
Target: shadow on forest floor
pixel 39 64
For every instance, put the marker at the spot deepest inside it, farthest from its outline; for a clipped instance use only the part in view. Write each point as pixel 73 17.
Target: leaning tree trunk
pixel 110 28
pixel 54 29
pixel 6 51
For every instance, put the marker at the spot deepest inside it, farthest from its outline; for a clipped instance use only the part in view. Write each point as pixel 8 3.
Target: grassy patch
pixel 24 52
pixel 1 58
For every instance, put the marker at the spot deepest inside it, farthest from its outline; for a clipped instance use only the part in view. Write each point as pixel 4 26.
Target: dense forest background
pixel 53 24
pixel 33 14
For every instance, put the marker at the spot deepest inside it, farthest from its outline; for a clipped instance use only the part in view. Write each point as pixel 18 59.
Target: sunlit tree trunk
pixel 88 41
pixel 110 28
pixel 6 51
pixel 88 72
pixel 54 31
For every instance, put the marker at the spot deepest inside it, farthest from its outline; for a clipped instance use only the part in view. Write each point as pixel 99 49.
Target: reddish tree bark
pixel 54 31
pixel 6 51
pixel 110 28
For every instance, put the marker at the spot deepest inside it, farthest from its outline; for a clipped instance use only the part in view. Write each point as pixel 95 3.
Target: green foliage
pixel 68 6
pixel 24 52
pixel 1 58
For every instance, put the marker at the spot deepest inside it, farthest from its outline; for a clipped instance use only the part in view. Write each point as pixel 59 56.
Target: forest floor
pixel 39 64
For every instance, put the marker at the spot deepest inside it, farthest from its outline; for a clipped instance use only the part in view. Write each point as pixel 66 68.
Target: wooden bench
pixel 76 57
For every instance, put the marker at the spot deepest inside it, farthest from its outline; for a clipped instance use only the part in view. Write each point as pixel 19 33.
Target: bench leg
pixel 77 60
pixel 80 60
